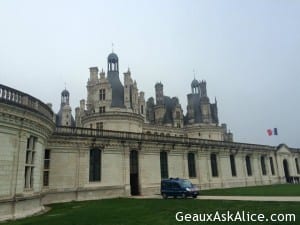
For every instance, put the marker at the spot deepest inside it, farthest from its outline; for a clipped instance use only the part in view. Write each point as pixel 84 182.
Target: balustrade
pixel 13 96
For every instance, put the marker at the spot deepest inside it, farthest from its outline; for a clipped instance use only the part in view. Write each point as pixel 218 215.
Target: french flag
pixel 273 131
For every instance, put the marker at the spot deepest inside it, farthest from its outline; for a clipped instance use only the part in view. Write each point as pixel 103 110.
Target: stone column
pixel 257 168
pixel 185 168
pixel 203 168
pixel 241 168
pixel 19 164
pixel 82 166
pixel 141 170
pixel 224 168
pixel 279 168
pixel 126 170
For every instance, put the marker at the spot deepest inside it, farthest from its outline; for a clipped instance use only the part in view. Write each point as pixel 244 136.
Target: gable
pixel 283 149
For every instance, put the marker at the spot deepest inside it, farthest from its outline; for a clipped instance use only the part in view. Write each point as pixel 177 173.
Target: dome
pixel 195 83
pixel 112 56
pixel 65 93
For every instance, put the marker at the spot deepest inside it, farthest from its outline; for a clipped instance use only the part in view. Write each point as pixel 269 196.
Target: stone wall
pixel 22 117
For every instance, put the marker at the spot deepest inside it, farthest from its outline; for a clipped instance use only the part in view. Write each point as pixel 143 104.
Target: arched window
pixel 297 165
pixel 263 165
pixel 95 165
pixel 248 165
pixel 164 165
pixel 191 164
pixel 214 165
pixel 232 164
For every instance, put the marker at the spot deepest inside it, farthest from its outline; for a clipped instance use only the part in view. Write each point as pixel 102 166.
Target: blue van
pixel 178 187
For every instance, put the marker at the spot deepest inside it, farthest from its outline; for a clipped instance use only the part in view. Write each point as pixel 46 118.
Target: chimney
pixel 94 74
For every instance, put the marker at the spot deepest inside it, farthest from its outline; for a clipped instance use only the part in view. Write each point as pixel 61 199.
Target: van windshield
pixel 186 184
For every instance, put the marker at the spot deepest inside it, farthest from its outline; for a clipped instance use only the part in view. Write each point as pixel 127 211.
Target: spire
pixel 112 47
pixel 194 74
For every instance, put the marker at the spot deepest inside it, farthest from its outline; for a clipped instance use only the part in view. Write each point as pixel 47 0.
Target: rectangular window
pixel 142 109
pixel 102 94
pixel 102 109
pixel 29 162
pixel 46 168
pixel 191 164
pixel 95 165
pixel 272 166
pixel 297 165
pixel 214 165
pixel 263 165
pixel 232 164
pixel 164 165
pixel 248 166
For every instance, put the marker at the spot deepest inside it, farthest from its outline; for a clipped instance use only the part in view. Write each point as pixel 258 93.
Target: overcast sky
pixel 247 51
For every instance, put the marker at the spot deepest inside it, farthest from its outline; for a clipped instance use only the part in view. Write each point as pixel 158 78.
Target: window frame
pixel 214 165
pixel 164 170
pixel 191 165
pixel 233 165
pixel 95 165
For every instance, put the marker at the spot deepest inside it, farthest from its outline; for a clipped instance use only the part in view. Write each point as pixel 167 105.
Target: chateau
pixel 118 144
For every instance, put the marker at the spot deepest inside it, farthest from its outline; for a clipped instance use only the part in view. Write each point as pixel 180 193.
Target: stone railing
pixel 15 97
pixel 120 135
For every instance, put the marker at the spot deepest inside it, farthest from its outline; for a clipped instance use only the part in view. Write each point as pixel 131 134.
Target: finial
pixel 112 47
pixel 65 86
pixel 194 74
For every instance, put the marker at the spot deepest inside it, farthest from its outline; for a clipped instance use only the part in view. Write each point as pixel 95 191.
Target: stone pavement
pixel 237 198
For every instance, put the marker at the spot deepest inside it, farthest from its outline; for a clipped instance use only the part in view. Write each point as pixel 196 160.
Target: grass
pixel 149 211
pixel 269 190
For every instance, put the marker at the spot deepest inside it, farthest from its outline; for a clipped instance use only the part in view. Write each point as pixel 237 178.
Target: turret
pixel 159 93
pixel 64 116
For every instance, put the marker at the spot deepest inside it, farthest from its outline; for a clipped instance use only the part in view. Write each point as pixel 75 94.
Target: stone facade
pixel 123 149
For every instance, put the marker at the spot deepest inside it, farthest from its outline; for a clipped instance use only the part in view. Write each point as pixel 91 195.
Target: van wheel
pixel 165 196
pixel 183 195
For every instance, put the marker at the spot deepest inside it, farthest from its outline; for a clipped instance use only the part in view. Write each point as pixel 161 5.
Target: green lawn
pixel 150 211
pixel 270 190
